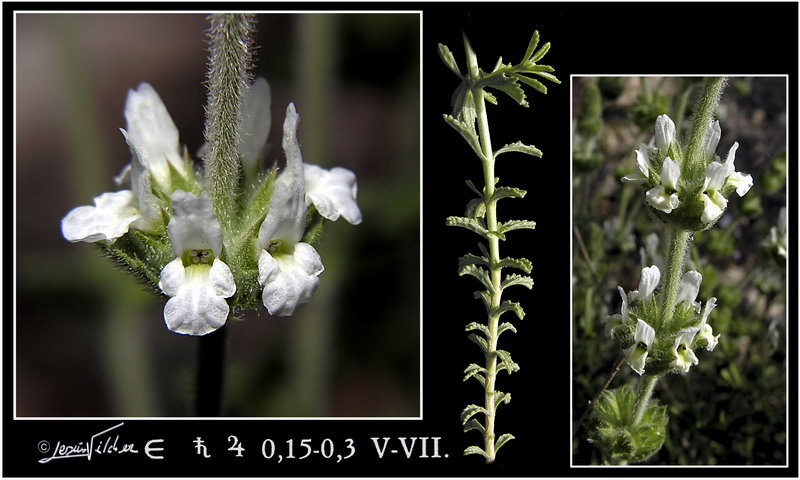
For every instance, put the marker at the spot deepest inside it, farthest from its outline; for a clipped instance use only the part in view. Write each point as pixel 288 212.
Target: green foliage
pixel 618 434
pixel 468 118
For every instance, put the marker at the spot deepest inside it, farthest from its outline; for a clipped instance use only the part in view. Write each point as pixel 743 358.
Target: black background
pixel 587 38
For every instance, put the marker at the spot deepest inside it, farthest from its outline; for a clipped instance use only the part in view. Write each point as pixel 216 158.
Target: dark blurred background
pixel 92 342
pixel 731 408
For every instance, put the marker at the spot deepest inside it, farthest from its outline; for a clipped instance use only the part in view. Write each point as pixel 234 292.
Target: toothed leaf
pixel 471 410
pixel 521 148
pixel 541 53
pixel 504 438
pixel 519 263
pixel 447 57
pixel 507 306
pixel 473 450
pixel 474 424
pixel 507 192
pixel 515 279
pixel 516 225
pixel 480 341
pixel 478 272
pixel 470 259
pixel 469 224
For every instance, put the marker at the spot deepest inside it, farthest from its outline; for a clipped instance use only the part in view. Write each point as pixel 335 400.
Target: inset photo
pixel 679 270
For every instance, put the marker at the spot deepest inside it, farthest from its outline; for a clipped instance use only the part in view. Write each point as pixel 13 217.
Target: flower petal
pixel 659 199
pixel 173 276
pixel 194 225
pixel 688 287
pixel 665 132
pixel 716 173
pixel 624 308
pixel 713 206
pixel 288 290
pixel 109 219
pixel 333 192
pixel 307 259
pixel 285 220
pixel 151 133
pixel 644 333
pixel 742 183
pixel 670 172
pixel 196 308
pixel 221 280
pixel 649 281
pixel 711 139
pixel 256 122
pixel 636 356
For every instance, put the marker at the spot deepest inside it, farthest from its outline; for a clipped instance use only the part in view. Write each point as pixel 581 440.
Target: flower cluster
pixel 652 345
pixel 163 221
pixel 693 198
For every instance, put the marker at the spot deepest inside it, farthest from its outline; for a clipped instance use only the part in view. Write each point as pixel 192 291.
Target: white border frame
pixel 419 13
pixel 789 257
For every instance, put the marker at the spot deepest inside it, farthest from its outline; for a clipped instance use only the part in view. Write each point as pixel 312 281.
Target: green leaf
pixel 499 235
pixel 474 189
pixel 506 363
pixel 470 259
pixel 531 68
pixel 519 263
pixel 520 148
pixel 486 297
pixel 477 326
pixel 541 53
pixel 474 424
pixel 480 341
pixel 513 90
pixel 469 224
pixel 469 411
pixel 449 60
pixel 510 306
pixel 314 224
pixel 532 44
pixel 473 450
pixel 476 371
pixel 478 272
pixel 501 398
pixel 516 225
pixel 532 82
pixel 548 76
pixel 505 326
pixel 515 279
pixel 489 97
pixel 468 132
pixel 476 208
pixel 504 438
pixel 507 192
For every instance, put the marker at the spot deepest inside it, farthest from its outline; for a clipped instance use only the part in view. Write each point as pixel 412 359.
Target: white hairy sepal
pixel 198 292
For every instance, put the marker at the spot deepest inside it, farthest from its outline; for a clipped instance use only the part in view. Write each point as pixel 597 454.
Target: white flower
pixel 647 283
pixel 287 268
pixel 777 235
pixel 198 281
pixel 256 122
pixel 615 321
pixel 664 197
pixel 684 355
pixel 713 201
pixel 636 354
pixel 705 332
pixel 113 214
pixel 333 192
pixel 152 135
pixel 688 288
pixel 711 139
pixel 738 180
pixel 643 163
pixel 665 132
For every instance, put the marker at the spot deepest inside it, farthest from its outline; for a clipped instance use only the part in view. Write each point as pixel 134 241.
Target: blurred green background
pixel 91 342
pixel 731 408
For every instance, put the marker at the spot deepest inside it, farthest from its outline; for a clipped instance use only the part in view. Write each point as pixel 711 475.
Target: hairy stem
pixel 643 394
pixel 494 253
pixel 679 244
pixel 230 58
pixel 702 118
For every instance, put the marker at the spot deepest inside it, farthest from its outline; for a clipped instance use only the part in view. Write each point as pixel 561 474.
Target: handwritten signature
pixel 103 443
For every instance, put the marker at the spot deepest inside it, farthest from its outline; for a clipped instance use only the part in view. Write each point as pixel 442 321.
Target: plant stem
pixel 210 374
pixel 702 118
pixel 646 385
pixel 677 257
pixel 494 254
pixel 230 47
